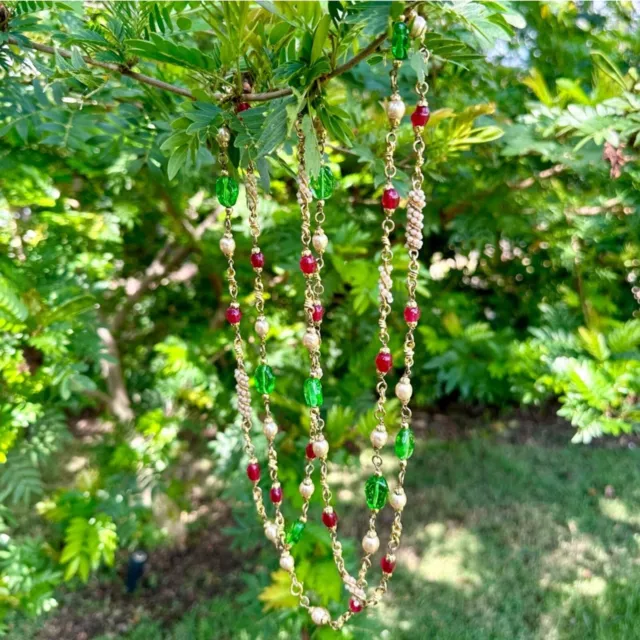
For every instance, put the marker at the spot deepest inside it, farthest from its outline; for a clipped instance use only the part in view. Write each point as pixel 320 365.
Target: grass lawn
pixel 501 542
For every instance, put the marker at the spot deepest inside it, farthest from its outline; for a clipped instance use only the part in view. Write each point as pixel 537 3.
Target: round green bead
pixel 227 191
pixel 313 392
pixel 405 444
pixel 376 491
pixel 295 532
pixel 265 379
pixel 400 41
pixel 323 185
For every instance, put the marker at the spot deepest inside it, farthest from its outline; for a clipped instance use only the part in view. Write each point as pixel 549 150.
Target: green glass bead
pixel 322 186
pixel 400 41
pixel 265 379
pixel 227 191
pixel 295 532
pixel 405 444
pixel 376 491
pixel 313 392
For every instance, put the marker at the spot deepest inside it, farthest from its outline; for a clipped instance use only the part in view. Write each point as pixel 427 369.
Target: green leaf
pixel 177 161
pixel 311 150
pixel 320 37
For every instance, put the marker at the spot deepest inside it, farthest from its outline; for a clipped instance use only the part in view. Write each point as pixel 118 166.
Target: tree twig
pixel 166 86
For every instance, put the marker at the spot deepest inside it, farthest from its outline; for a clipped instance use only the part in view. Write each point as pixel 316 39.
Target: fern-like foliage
pixel 20 481
pixel 13 311
pixel 87 544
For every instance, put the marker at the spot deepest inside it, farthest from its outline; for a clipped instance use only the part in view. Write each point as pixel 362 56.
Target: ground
pixel 509 535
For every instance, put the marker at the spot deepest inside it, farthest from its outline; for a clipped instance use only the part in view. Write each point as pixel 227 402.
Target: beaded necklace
pixel 376 488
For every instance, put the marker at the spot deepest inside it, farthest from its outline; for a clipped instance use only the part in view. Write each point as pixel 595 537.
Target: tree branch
pixel 165 86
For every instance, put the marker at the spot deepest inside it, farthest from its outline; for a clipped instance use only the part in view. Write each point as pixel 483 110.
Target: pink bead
pixel 420 116
pixel 310 452
pixel 390 198
pixel 384 362
pixel 387 564
pixel 243 106
pixel 257 260
pixel 308 264
pixel 355 605
pixel 411 314
pixel 275 494
pixel 234 315
pixel 330 519
pixel 253 471
pixel 317 313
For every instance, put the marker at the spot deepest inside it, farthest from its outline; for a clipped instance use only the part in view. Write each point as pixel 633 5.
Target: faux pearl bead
pixel 227 245
pixel 311 340
pixel 271 531
pixel 262 327
pixel 223 136
pixel 370 543
pixel 395 109
pixel 306 489
pixel 321 448
pixel 378 438
pixel 418 27
pixel 270 429
pixel 398 499
pixel 404 390
pixel 320 616
pixel 286 562
pixel 320 241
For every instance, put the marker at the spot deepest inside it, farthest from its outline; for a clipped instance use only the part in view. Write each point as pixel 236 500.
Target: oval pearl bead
pixel 370 544
pixel 270 429
pixel 398 499
pixel 320 616
pixel 395 109
pixel 378 438
pixel 320 241
pixel 271 531
pixel 311 340
pixel 404 390
pixel 227 245
pixel 321 448
pixel 262 327
pixel 306 489
pixel 286 562
pixel 418 27
pixel 223 135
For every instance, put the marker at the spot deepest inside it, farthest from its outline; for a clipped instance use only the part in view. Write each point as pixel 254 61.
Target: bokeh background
pixel 118 424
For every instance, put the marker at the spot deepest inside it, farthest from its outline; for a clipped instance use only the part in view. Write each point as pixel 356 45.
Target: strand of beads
pixel 227 192
pixel 265 379
pixel 404 443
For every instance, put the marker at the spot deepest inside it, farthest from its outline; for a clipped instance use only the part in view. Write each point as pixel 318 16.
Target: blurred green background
pixel 118 421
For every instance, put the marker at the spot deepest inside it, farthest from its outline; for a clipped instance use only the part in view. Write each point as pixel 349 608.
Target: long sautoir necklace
pixel 376 488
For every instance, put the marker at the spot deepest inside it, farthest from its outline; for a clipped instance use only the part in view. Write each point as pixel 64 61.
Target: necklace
pixel 376 488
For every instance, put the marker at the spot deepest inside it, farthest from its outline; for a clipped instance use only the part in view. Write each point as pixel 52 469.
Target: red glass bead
pixel 257 260
pixel 308 264
pixel 355 605
pixel 243 106
pixel 387 564
pixel 390 198
pixel 420 116
pixel 317 312
pixel 234 315
pixel 411 314
pixel 276 494
pixel 253 471
pixel 384 362
pixel 310 452
pixel 330 519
